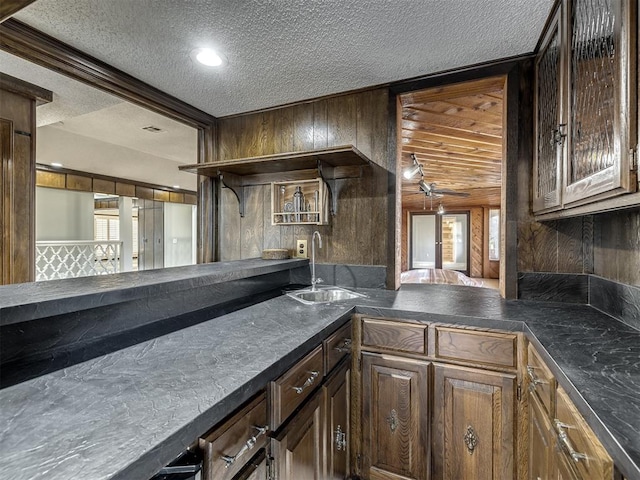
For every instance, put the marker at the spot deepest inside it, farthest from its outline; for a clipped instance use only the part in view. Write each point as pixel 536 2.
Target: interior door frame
pixel 517 155
pixel 439 237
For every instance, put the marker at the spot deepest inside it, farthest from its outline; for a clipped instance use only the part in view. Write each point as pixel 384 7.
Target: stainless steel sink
pixel 323 295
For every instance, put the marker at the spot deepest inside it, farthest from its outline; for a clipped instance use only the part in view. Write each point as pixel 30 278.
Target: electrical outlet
pixel 301 249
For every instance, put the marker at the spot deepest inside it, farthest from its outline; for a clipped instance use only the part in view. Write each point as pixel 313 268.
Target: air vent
pixel 152 129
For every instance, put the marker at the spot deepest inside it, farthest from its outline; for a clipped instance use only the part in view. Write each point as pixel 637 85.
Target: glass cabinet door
pixel 602 102
pixel 550 126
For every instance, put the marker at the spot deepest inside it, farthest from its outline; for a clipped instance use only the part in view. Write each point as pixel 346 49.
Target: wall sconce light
pixel 440 209
pixel 414 169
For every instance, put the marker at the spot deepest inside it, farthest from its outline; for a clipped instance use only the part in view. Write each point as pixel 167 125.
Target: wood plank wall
pixel 357 233
pixel 606 244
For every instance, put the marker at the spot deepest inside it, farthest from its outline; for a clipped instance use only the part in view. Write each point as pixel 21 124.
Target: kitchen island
pixel 125 414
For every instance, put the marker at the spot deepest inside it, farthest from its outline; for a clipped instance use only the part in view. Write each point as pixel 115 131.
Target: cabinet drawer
pixel 290 390
pixel 488 348
pixel 336 347
pixel 589 456
pixel 541 380
pixel 232 445
pixel 396 336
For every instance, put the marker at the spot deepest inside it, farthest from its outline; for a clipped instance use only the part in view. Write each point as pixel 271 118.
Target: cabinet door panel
pixel 540 440
pixel 395 418
pixel 474 424
pixel 547 169
pixel 338 432
pixel 298 448
pixel 602 100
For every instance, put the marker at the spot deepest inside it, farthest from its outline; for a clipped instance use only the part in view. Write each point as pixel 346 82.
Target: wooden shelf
pixel 343 156
pixel 236 174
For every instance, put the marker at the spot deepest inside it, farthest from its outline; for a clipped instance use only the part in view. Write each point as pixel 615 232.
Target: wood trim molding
pixel 15 85
pixel 31 44
pixel 67 179
pixel 10 7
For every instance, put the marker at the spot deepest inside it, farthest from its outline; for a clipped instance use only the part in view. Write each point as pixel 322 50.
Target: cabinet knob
pixel 470 439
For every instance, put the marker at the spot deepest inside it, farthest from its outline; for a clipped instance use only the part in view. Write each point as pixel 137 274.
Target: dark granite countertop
pixel 28 301
pixel 125 414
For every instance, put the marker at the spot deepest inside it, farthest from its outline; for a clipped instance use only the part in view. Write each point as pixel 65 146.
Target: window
pixel 106 228
pixel 494 234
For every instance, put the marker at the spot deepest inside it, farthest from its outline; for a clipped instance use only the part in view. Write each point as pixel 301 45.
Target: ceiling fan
pixel 429 189
pixel 432 190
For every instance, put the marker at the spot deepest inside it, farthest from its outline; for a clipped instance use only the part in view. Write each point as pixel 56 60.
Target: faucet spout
pixel 314 280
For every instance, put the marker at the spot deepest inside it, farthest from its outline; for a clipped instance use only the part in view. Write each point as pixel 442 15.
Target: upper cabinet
pixel 586 105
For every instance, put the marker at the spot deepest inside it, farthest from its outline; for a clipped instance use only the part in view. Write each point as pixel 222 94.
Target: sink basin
pixel 323 295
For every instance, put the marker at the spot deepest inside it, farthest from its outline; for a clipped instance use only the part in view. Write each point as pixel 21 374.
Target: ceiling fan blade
pixel 445 191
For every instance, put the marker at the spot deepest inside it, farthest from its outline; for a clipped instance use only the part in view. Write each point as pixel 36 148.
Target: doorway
pixel 450 165
pixel 440 241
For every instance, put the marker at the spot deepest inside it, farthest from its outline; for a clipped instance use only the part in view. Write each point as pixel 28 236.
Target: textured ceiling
pixel 79 112
pixel 70 98
pixel 281 51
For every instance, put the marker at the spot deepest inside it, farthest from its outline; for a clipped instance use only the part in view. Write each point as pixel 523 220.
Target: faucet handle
pixel 319 280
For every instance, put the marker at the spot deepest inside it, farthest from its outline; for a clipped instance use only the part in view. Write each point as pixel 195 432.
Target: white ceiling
pixel 88 130
pixel 281 51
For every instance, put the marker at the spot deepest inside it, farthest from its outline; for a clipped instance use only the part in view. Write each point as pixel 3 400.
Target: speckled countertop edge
pixel 29 301
pixel 157 397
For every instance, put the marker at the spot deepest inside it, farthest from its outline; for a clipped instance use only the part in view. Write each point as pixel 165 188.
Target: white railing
pixel 76 259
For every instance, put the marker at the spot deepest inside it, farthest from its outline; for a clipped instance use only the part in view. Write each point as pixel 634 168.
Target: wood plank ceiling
pixel 456 134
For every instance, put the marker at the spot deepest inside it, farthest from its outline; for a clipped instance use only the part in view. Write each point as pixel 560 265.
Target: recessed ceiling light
pixel 176 186
pixel 208 57
pixel 55 164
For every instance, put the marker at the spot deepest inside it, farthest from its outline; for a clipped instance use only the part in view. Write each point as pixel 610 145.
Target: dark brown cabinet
pixel 395 396
pixel 540 441
pixel 298 449
pixel 586 106
pixel 561 444
pixel 338 431
pixel 437 402
pixel 474 424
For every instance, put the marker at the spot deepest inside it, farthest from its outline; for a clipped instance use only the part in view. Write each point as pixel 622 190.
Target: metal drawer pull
pixel 341 439
pixel 345 347
pixel 564 441
pixel 308 382
pixel 248 445
pixel 535 381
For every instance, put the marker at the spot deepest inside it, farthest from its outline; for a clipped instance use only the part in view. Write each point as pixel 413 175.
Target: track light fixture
pixel 414 169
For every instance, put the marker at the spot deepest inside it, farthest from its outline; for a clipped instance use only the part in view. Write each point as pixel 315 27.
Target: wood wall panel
pixel 477 242
pixel 17 188
pixel 104 186
pixel 357 234
pixel 570 254
pixel 252 224
pixel 616 246
pixel 606 244
pixel 229 226
pixel 50 179
pixel 78 182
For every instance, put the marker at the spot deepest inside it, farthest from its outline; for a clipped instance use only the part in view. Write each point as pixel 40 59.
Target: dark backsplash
pixel 613 298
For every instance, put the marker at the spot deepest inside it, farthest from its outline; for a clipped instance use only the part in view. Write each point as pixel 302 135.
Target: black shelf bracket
pixel 236 184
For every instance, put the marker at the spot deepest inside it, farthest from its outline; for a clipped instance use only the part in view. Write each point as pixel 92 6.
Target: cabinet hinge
pixel 359 364
pixel 270 468
pixel 519 392
pixel 633 156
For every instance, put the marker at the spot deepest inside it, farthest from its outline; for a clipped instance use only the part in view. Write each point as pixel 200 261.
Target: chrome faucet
pixel 314 280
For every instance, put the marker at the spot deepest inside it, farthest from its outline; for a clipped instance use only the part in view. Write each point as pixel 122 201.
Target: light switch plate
pixel 301 249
